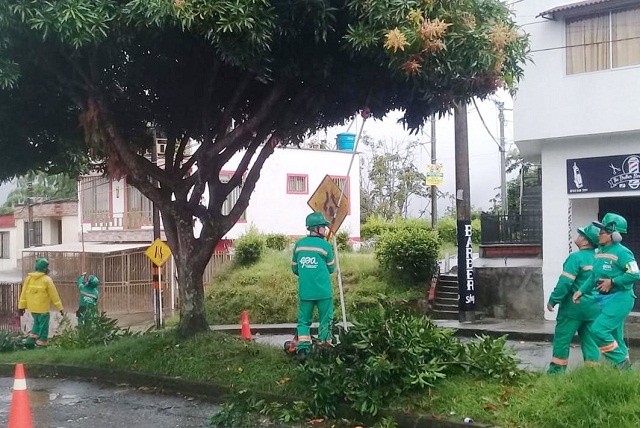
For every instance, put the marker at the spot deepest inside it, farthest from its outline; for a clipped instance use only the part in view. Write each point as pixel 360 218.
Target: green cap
pixel 316 220
pixel 93 282
pixel 590 233
pixel 42 265
pixel 612 222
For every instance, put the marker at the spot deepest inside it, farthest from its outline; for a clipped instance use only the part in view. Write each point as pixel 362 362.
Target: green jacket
pixel 313 263
pixel 88 295
pixel 615 262
pixel 576 272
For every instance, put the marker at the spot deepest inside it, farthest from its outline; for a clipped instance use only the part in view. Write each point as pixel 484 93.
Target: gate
pixel 9 295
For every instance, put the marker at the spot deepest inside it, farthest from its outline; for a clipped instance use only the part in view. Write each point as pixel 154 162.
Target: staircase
pixel 446 298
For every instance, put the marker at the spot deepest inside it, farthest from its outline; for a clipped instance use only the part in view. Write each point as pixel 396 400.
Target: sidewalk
pixel 527 330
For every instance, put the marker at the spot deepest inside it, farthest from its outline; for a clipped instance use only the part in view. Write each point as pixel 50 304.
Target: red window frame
pixel 306 184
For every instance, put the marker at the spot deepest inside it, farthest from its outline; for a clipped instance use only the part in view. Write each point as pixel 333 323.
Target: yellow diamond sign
pixel 325 200
pixel 158 252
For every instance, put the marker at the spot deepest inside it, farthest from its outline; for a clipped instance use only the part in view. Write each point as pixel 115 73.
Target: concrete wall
pixel 551 104
pixel 517 288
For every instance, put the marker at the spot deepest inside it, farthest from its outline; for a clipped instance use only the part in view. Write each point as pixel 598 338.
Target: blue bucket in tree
pixel 346 141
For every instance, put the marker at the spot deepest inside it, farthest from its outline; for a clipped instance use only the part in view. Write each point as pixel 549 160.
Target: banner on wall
pixel 603 174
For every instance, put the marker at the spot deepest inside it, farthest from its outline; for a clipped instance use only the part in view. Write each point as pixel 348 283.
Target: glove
pixel 61 313
pixel 20 312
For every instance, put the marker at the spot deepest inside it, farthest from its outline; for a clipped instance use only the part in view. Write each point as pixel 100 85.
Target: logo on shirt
pixel 309 262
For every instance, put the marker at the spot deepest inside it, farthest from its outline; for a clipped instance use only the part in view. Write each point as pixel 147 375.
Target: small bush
pixel 409 255
pixel 249 248
pixel 376 226
pixel 10 341
pixel 342 239
pixel 447 229
pixel 277 241
pixel 389 345
pixel 98 329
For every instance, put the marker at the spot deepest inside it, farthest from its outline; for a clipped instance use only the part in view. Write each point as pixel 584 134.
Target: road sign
pixel 325 200
pixel 435 174
pixel 158 252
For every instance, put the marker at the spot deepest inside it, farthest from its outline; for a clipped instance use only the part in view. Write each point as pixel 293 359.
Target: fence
pixel 511 229
pixel 9 295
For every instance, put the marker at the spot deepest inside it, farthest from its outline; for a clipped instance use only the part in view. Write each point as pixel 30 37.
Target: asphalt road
pixel 61 403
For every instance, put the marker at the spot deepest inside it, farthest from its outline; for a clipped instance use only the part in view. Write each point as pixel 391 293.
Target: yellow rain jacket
pixel 38 290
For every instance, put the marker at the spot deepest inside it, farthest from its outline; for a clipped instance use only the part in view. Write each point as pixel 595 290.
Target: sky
pixel 484 156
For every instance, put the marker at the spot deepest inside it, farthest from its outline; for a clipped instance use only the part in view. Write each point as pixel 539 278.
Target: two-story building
pixel 576 113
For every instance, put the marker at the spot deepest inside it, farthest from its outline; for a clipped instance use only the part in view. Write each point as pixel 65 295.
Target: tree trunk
pixel 191 293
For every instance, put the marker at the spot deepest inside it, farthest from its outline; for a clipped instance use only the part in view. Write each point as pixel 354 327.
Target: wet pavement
pixel 62 403
pixel 534 356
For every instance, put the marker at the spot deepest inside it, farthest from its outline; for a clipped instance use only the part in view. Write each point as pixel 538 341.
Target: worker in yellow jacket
pixel 38 292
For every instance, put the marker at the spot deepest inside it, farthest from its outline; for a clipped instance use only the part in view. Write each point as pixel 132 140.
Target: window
pixel 603 41
pixel 36 237
pixel 343 181
pixel 94 194
pixel 4 245
pixel 139 209
pixel 233 197
pixel 297 184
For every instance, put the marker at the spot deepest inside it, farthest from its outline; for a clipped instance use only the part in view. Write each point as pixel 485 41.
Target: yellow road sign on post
pixel 435 174
pixel 325 200
pixel 158 252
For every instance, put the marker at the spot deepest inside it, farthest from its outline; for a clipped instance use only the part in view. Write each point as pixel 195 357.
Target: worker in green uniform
pixel 38 292
pixel 88 288
pixel 572 318
pixel 615 270
pixel 313 263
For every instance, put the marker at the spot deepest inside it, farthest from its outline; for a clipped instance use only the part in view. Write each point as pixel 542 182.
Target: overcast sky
pixel 484 156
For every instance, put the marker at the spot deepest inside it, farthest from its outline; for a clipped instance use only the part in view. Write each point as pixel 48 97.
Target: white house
pixel 577 114
pixel 8 243
pixel 113 211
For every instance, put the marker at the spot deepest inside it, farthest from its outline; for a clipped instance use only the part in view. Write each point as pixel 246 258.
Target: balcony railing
pixel 511 229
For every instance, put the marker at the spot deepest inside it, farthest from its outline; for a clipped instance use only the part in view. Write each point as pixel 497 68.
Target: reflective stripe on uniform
pixel 610 347
pixel 559 361
pixel 591 363
pixel 84 293
pixel 316 249
pixel 293 263
pixel 331 263
pixel 304 339
pixel 606 256
pixel 568 275
pixel 589 267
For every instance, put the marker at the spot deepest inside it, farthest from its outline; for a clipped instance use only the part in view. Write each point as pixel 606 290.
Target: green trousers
pixel 608 328
pixel 39 334
pixel 566 328
pixel 305 316
pixel 85 313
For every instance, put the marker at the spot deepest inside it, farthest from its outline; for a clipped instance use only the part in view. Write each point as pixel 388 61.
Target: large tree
pixel 238 76
pixel 41 187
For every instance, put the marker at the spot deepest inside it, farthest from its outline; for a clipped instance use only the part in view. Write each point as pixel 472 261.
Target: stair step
pixel 447 277
pixel 446 301
pixel 447 288
pixel 448 282
pixel 445 294
pixel 444 315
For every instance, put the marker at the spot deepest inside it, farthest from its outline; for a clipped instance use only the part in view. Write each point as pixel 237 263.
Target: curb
pixel 206 391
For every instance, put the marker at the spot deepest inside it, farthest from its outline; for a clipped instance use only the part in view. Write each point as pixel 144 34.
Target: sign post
pixel 158 253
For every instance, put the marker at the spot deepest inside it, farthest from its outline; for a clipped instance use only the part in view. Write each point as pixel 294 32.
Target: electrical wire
pixel 485 125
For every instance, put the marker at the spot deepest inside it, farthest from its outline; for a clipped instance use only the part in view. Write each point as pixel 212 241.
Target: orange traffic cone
pixel 20 416
pixel 245 332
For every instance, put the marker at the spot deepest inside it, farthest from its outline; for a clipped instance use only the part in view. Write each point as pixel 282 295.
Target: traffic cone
pixel 20 415
pixel 245 332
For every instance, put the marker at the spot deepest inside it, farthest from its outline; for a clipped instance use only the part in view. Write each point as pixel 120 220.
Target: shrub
pixel 98 329
pixel 249 248
pixel 390 345
pixel 447 229
pixel 342 239
pixel 277 241
pixel 376 226
pixel 409 255
pixel 10 341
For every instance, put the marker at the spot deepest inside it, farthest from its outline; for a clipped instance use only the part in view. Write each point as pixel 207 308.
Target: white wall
pixel 70 229
pixel 11 262
pixel 272 210
pixel 555 200
pixel 552 104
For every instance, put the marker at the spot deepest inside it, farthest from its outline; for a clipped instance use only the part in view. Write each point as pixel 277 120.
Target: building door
pixel 628 208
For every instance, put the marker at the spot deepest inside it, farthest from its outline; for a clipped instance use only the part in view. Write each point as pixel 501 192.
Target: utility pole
pixel 434 189
pixel 503 173
pixel 30 214
pixel 466 283
pixel 157 294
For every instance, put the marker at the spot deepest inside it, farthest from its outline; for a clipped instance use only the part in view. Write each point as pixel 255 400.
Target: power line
pixel 484 124
pixel 585 44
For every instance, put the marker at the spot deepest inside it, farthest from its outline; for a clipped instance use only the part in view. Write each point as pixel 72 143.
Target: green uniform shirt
pixel 615 262
pixel 313 263
pixel 88 296
pixel 576 272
